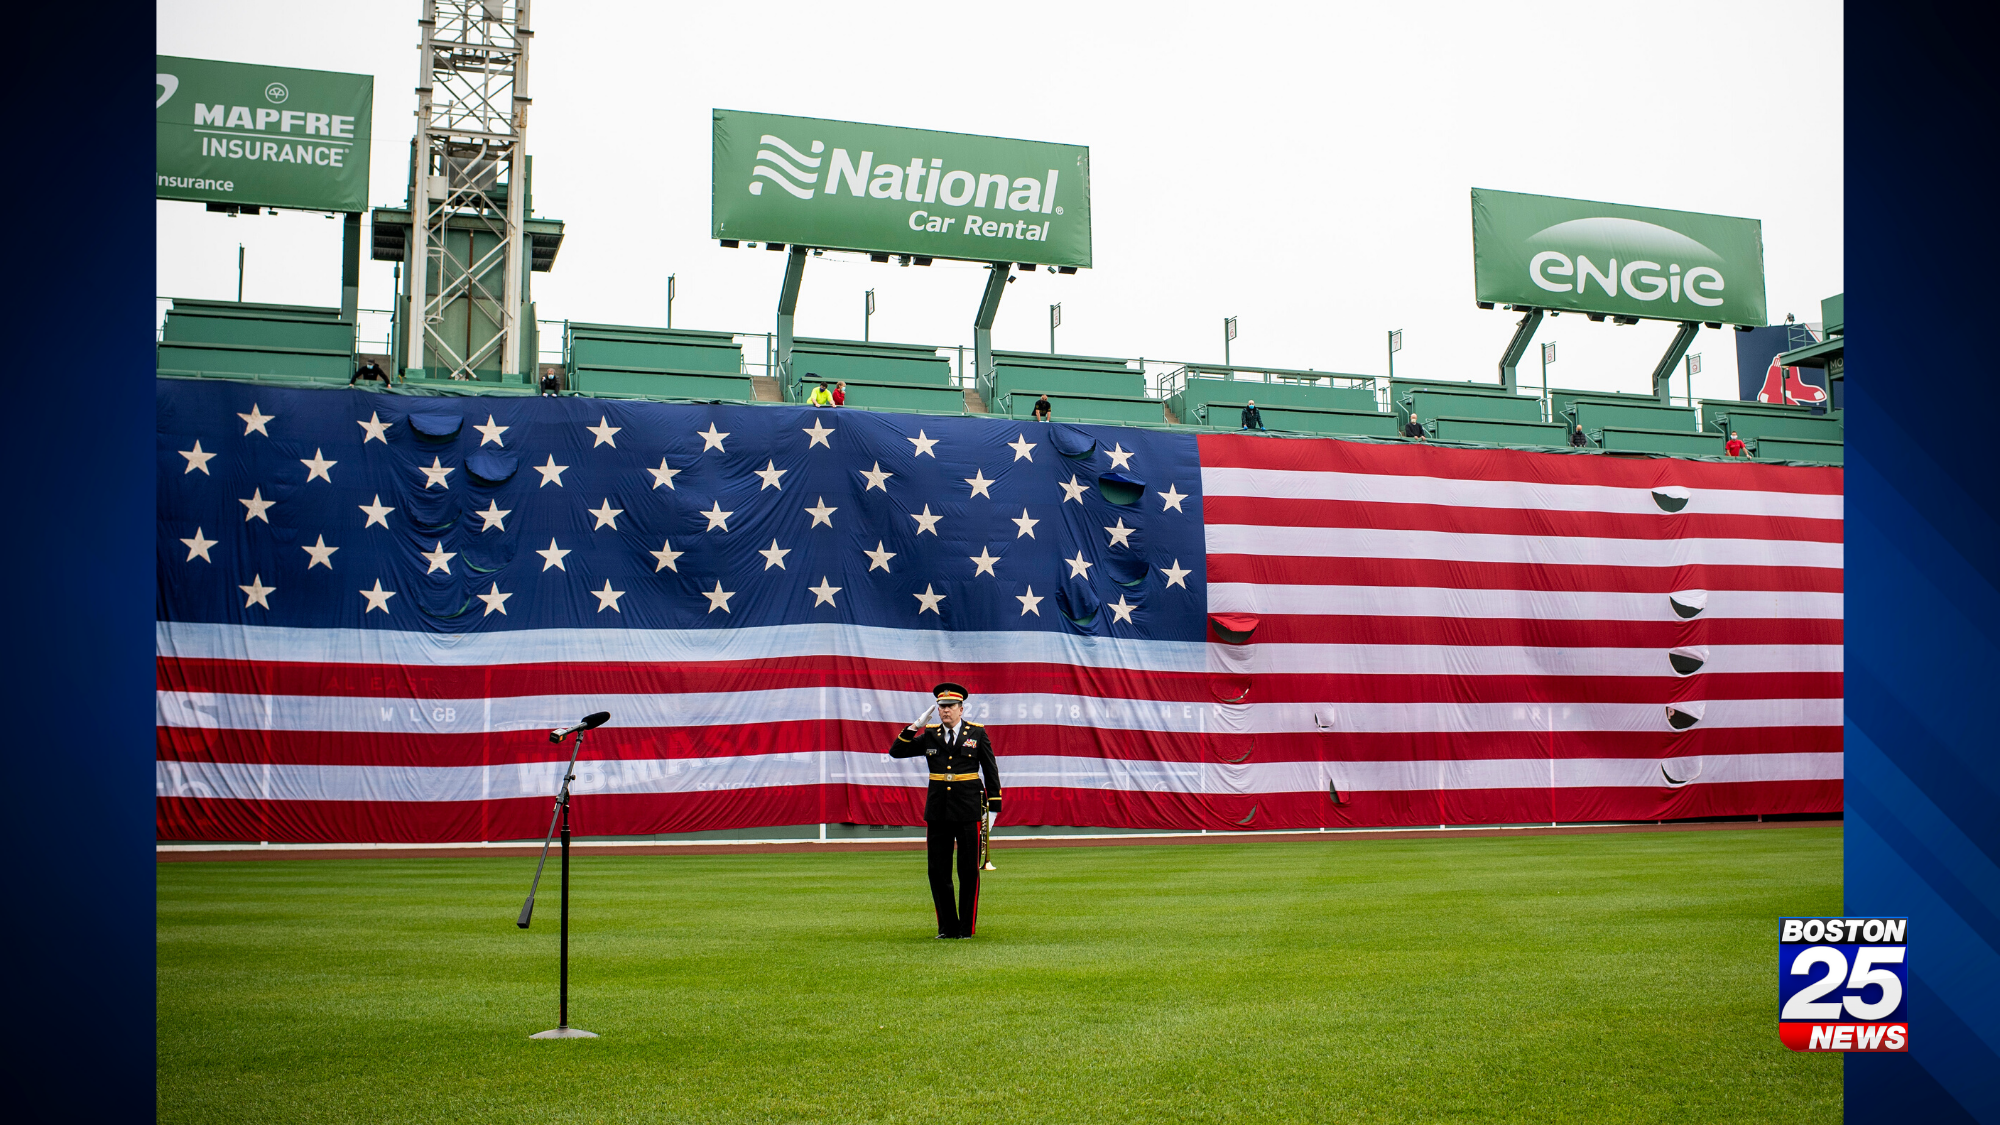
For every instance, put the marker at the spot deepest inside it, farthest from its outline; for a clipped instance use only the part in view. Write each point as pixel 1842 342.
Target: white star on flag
pixel 607 598
pixel 1121 535
pixel 256 592
pixel 489 434
pixel 253 422
pixel 1072 489
pixel 666 554
pixel 553 557
pixel 496 602
pixel 378 598
pixel 1079 567
pixel 494 515
pixel 378 512
pixel 607 516
pixel 435 473
pixel 664 475
pixel 926 522
pixel 551 472
pixel 257 505
pixel 197 459
pixel 824 592
pixel 928 601
pixel 878 559
pixel 1120 610
pixel 1119 457
pixel 774 555
pixel 376 429
pixel 1175 575
pixel 198 547
pixel 604 429
pixel 713 440
pixel 1030 603
pixel 818 434
pixel 1173 498
pixel 876 477
pixel 923 445
pixel 440 558
pixel 770 474
pixel 1021 447
pixel 320 554
pixel 318 466
pixel 717 517
pixel 982 563
pixel 980 484
pixel 1026 525
pixel 718 598
pixel 821 514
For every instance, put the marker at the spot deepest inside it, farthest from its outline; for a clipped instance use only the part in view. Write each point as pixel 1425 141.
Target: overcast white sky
pixel 1304 167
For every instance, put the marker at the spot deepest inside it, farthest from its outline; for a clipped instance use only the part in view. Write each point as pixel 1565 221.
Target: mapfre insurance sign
pixel 266 136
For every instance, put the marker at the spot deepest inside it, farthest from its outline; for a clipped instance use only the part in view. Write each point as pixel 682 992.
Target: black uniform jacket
pixel 952 802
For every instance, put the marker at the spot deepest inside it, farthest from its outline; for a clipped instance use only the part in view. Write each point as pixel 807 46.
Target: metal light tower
pixel 472 133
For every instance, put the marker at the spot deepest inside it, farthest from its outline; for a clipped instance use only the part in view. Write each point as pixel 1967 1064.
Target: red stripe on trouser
pixel 198 818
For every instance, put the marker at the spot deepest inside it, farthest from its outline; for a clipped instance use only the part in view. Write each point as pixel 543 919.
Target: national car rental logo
pixel 790 169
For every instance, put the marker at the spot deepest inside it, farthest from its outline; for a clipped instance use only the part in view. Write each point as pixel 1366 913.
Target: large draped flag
pixel 373 606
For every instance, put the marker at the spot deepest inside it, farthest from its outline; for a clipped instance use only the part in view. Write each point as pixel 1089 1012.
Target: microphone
pixel 590 722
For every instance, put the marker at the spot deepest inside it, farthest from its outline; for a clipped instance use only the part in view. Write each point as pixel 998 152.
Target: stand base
pixel 564 1033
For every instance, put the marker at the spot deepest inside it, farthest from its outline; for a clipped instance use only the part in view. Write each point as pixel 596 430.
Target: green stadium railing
pixel 1074 407
pixel 830 361
pixel 1799 449
pixel 917 398
pixel 659 382
pixel 1297 419
pixel 627 347
pixel 1595 414
pixel 1683 443
pixel 1497 431
pixel 1062 374
pixel 1430 403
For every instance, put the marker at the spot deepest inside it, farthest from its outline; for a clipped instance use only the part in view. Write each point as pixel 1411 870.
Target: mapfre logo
pixel 1588 253
pixel 789 168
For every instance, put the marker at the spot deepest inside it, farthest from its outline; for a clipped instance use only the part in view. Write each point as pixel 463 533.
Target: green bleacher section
pixel 1753 421
pixel 1310 400
pixel 1673 443
pixel 1058 375
pixel 1496 431
pixel 1221 415
pixel 234 339
pixel 615 359
pixel 1428 401
pixel 1798 449
pixel 1074 407
pixel 912 377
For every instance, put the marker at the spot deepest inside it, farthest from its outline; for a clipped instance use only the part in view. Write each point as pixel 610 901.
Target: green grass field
pixel 1589 978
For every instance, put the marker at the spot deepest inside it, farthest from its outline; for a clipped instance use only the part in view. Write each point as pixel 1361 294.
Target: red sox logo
pixel 1783 385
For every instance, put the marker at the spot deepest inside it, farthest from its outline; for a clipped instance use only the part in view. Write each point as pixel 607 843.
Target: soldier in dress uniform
pixel 965 785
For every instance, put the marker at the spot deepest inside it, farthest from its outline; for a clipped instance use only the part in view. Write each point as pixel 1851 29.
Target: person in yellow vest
pixel 964 787
pixel 820 396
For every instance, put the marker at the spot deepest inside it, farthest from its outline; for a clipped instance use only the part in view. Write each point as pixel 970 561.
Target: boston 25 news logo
pixel 1841 984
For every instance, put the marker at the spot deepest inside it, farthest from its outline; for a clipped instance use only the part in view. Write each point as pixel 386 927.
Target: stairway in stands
pixel 764 388
pixel 973 403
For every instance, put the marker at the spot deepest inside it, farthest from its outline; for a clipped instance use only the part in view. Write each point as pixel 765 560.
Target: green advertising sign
pixel 1553 253
pixel 267 136
pixel 845 185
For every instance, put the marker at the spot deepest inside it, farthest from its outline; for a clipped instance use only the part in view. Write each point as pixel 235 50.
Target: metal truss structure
pixel 470 165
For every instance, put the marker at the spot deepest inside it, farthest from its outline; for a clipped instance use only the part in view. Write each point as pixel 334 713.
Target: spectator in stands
pixel 820 396
pixel 840 393
pixel 369 370
pixel 551 382
pixel 1413 428
pixel 1734 446
pixel 1041 412
pixel 1252 418
pixel 1577 439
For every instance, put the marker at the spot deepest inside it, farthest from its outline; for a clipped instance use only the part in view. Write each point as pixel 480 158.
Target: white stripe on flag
pixel 1509 660
pixel 1536 550
pixel 1523 605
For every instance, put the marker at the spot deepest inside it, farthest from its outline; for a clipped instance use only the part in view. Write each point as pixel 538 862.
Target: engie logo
pixel 1843 983
pixel 1584 252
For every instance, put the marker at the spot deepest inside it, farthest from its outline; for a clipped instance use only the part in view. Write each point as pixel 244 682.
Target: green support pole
pixel 1663 374
pixel 982 326
pixel 788 307
pixel 1518 347
pixel 350 266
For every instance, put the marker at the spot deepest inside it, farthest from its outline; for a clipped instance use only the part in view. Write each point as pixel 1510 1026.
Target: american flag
pixel 373 605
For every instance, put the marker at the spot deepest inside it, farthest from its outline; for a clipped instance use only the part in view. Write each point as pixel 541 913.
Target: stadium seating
pixel 1676 443
pixel 1756 420
pixel 1798 449
pixel 1314 401
pixel 1062 375
pixel 1494 431
pixel 1070 406
pixel 611 359
pixel 239 339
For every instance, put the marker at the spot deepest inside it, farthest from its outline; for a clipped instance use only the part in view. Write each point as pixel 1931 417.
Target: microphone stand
pixel 562 1030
